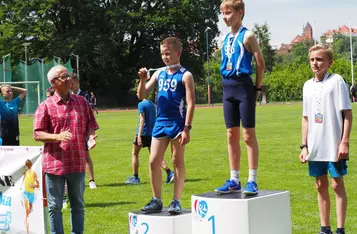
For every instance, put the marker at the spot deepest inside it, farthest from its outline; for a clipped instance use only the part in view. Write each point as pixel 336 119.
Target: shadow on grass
pixel 108 204
pixel 121 184
pixel 194 180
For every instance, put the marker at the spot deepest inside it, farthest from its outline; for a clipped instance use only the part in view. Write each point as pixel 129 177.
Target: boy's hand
pixel 258 95
pixel 142 73
pixel 185 137
pixel 342 151
pixel 139 141
pixel 303 155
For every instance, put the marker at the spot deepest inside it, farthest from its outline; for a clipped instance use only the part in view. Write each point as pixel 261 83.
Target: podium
pixel 267 212
pixel 160 223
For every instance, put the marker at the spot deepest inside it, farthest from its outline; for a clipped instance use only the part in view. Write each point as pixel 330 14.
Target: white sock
pixel 235 176
pixel 252 175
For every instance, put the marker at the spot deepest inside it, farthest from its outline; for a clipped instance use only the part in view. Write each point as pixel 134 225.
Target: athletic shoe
pixel 92 185
pixel 170 177
pixel 230 186
pixel 154 206
pixel 133 180
pixel 327 233
pixel 251 188
pixel 175 207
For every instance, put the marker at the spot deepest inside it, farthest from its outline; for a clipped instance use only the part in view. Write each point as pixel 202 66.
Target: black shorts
pixel 145 141
pixel 239 98
pixel 11 141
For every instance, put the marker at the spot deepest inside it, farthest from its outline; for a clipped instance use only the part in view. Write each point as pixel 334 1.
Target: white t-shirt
pixel 325 100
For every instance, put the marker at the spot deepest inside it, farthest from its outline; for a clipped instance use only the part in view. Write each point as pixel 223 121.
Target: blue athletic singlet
pixel 236 59
pixel 171 98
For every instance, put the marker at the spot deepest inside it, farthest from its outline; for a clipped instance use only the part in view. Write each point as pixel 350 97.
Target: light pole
pixel 25 45
pixel 77 64
pixel 314 28
pixel 208 67
pixel 351 52
pixel 3 66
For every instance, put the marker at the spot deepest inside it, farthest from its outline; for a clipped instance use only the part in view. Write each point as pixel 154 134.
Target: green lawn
pixel 278 130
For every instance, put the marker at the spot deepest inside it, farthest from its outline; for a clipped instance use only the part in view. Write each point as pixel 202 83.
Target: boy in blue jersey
pixel 239 95
pixel 176 93
pixel 9 131
pixel 147 117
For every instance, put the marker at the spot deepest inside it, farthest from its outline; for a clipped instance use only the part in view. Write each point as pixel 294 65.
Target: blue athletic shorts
pixel 336 169
pixel 171 131
pixel 239 96
pixel 29 196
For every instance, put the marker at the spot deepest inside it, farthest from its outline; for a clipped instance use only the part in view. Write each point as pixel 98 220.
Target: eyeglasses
pixel 64 77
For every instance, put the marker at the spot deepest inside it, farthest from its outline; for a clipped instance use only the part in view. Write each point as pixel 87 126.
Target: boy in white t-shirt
pixel 326 127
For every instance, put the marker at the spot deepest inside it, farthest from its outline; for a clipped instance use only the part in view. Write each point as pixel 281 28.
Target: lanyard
pixel 229 49
pixel 318 89
pixel 161 68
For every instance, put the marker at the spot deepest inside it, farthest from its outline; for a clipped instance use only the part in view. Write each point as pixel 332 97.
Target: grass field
pixel 278 130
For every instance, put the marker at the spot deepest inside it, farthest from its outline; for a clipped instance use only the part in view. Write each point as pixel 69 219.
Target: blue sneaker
pixel 133 180
pixel 251 188
pixel 154 206
pixel 175 207
pixel 170 177
pixel 230 186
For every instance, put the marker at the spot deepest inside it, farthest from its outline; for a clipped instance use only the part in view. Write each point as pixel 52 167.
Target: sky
pixel 286 18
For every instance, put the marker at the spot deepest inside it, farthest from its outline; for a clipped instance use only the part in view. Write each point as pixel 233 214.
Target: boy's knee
pixel 337 187
pixel 178 162
pixel 321 186
pixel 249 138
pixel 232 134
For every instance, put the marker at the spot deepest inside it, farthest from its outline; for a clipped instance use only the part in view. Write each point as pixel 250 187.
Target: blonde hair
pixel 322 47
pixel 236 5
pixel 174 42
pixel 5 86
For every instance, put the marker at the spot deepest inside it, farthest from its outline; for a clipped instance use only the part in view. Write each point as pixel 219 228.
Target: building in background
pixel 328 36
pixel 307 35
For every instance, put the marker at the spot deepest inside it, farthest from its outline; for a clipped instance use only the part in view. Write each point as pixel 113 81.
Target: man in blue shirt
pixel 147 118
pixel 9 130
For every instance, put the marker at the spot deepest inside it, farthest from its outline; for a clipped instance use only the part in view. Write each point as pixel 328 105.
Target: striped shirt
pixel 55 116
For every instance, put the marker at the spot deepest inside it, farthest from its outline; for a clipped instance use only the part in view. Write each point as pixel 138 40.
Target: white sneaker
pixel 92 185
pixel 65 205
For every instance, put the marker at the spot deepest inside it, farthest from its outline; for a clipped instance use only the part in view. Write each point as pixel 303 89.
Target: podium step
pixel 267 212
pixel 160 223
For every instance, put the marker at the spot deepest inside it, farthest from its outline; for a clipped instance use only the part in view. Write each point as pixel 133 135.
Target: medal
pixel 319 118
pixel 229 49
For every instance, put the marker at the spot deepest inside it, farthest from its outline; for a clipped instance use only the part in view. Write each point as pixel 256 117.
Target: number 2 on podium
pixel 213 224
pixel 147 227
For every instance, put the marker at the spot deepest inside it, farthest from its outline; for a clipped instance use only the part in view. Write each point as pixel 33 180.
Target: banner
pixel 21 199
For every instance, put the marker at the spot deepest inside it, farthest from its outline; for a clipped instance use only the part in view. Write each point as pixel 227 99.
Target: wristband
pixel 303 146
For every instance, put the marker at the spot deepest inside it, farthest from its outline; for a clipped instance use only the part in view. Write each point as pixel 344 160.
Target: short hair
pixel 323 47
pixel 236 5
pixel 53 72
pixel 173 41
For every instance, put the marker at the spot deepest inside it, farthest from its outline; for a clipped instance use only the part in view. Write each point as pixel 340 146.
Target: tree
pixel 113 38
pixel 263 36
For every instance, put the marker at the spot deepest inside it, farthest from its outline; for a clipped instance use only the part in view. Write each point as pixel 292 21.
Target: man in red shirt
pixel 65 123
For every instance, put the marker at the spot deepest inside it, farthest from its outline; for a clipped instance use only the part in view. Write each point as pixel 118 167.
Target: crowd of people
pixel 65 123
